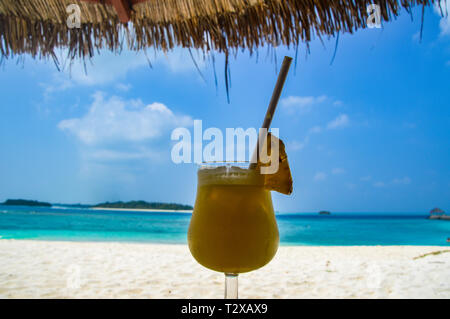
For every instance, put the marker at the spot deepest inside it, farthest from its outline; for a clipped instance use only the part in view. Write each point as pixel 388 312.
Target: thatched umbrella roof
pixel 37 27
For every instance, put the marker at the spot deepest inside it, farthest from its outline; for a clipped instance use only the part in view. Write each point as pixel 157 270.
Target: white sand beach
pixel 44 269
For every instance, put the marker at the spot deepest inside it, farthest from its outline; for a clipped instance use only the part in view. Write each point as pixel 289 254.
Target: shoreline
pixel 52 269
pixel 150 210
pixel 437 247
pixel 144 242
pixel 106 208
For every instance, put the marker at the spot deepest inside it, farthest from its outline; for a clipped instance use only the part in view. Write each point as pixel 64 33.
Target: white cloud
pixel 113 119
pixel 295 145
pixel 416 36
pixel 338 171
pixel 179 60
pixel 366 178
pixel 341 121
pixel 379 184
pixel 402 181
pixel 301 103
pixel 58 83
pixel 108 67
pixel 445 20
pixel 396 181
pixel 350 185
pixel 304 104
pixel 123 87
pixel 116 155
pixel 320 176
pixel 315 130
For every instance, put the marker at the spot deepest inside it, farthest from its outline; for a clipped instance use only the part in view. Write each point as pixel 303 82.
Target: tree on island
pixel 24 202
pixel 437 211
pixel 144 205
pixel 125 205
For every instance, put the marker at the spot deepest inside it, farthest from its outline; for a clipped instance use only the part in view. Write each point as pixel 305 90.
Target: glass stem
pixel 231 286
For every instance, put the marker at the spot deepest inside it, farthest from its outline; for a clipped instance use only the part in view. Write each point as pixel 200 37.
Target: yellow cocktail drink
pixel 233 227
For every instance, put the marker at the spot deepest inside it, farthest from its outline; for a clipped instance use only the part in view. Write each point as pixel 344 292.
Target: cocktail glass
pixel 233 227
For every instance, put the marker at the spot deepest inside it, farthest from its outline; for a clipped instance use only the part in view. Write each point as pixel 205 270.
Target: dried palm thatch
pixel 37 27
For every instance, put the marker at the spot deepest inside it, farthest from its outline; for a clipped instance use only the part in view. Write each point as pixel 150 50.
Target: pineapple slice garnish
pixel 281 181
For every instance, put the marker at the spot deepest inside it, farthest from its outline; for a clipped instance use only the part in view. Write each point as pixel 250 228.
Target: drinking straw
pixel 272 106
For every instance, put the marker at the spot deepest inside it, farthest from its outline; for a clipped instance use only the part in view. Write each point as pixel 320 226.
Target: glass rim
pixel 229 173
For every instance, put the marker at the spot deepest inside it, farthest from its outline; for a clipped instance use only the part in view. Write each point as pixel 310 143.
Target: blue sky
pixel 368 133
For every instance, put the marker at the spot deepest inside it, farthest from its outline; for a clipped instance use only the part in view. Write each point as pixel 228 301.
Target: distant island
pixel 437 213
pixel 140 204
pixel 24 202
pixel 143 205
pixel 324 212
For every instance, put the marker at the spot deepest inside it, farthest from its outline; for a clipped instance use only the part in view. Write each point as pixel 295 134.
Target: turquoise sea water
pixel 161 227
